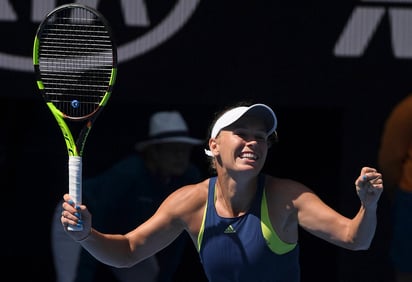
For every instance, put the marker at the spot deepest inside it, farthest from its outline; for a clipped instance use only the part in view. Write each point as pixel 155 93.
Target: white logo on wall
pixel 135 14
pixel 364 21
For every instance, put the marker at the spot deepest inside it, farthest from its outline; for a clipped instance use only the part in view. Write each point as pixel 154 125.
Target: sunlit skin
pixel 239 151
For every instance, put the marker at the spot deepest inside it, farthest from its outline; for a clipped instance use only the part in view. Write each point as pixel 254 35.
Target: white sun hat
pixel 166 127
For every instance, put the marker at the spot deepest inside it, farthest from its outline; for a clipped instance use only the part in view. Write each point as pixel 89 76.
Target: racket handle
pixel 75 184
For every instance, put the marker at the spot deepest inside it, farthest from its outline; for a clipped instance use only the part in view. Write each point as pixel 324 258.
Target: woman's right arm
pixel 111 249
pixel 117 250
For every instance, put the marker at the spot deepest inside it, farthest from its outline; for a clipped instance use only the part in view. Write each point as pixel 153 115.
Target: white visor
pixel 231 116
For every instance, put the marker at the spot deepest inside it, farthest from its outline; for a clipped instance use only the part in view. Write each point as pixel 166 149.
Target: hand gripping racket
pixel 75 61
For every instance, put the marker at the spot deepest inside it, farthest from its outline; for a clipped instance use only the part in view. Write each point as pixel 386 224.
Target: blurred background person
pixel 395 161
pixel 127 194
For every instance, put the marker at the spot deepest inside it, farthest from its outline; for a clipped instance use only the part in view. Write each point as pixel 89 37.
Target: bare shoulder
pixel 187 203
pixel 284 198
pixel 285 189
pixel 292 186
pixel 191 196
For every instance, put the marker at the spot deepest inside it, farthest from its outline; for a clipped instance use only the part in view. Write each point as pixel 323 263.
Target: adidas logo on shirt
pixel 230 229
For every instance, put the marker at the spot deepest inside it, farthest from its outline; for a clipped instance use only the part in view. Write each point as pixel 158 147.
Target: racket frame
pixel 75 148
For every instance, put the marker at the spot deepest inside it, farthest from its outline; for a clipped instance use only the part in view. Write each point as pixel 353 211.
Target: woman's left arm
pixel 355 234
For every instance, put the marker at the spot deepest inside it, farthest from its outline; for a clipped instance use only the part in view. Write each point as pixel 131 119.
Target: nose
pixel 251 142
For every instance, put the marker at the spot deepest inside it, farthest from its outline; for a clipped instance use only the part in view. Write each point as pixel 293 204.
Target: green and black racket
pixel 75 60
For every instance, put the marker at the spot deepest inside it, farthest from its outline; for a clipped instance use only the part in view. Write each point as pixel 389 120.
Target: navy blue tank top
pixel 235 249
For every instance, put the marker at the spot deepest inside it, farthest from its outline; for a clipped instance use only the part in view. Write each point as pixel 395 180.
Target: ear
pixel 213 146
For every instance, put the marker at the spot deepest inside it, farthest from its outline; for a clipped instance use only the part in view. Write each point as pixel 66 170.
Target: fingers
pixel 369 176
pixel 369 186
pixel 368 171
pixel 369 183
pixel 76 219
pixel 73 219
pixel 71 214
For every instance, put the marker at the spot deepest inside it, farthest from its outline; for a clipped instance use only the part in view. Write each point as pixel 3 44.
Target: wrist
pixel 85 238
pixel 370 207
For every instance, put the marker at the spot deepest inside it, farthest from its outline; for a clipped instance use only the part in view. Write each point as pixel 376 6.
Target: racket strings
pixel 76 62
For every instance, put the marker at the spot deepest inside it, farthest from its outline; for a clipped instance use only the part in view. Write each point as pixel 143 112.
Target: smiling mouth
pixel 249 156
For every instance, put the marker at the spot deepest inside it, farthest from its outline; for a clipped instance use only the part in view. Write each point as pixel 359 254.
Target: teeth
pixel 249 156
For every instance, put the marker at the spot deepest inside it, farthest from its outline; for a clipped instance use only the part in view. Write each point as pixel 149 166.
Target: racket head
pixel 75 61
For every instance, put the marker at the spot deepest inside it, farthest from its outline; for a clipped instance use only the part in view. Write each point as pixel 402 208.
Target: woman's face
pixel 243 145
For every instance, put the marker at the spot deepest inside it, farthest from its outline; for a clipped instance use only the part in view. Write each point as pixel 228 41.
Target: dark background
pixel 330 111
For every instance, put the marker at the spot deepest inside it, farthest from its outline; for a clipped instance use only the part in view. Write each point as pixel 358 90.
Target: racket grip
pixel 75 184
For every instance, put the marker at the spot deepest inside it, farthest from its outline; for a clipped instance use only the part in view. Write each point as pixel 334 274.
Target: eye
pixel 249 135
pixel 261 138
pixel 241 133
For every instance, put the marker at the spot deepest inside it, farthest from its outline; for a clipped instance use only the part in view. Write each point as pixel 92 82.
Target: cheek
pixel 265 145
pixel 228 144
pixel 263 148
pixel 235 140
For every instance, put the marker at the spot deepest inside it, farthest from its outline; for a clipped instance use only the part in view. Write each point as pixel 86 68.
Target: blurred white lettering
pixel 363 23
pixel 134 14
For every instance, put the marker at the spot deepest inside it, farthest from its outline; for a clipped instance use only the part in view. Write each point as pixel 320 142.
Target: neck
pixel 233 198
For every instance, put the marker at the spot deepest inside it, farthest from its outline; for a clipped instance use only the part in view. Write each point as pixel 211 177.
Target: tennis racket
pixel 75 62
